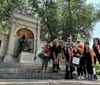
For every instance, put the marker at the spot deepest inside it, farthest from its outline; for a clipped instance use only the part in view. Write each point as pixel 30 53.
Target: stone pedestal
pixel 26 57
pixel 10 58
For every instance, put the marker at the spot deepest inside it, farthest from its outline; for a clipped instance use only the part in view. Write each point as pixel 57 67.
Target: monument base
pixel 10 58
pixel 26 57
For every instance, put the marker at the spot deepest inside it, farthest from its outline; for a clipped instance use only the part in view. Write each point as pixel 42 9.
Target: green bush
pixel 97 68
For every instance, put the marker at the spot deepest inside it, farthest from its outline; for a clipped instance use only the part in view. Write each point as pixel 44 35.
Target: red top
pixel 80 46
pixel 47 49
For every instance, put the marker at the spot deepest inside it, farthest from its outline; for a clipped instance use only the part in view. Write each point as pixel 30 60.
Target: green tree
pixel 58 17
pixel 78 18
pixel 65 17
pixel 98 14
pixel 6 8
pixel 47 11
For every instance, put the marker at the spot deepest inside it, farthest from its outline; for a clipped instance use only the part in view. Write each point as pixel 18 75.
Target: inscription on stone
pixel 26 57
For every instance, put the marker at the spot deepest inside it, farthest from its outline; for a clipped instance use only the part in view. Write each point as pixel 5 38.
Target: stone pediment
pixel 24 19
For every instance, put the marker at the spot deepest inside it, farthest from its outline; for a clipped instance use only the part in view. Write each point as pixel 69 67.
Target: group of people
pixel 58 49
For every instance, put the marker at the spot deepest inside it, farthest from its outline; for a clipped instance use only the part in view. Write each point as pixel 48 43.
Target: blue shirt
pixel 70 44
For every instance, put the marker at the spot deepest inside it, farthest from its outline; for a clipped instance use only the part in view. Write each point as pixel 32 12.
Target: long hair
pixel 97 40
pixel 54 42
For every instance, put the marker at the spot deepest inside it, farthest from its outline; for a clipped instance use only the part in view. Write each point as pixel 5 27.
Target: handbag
pixel 76 61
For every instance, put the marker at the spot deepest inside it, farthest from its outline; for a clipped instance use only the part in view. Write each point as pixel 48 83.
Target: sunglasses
pixel 65 47
pixel 78 41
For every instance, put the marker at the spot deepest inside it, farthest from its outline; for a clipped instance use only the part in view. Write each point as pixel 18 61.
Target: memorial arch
pixel 30 36
pixel 20 24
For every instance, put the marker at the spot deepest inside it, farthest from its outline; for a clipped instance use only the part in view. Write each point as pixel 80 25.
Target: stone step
pixel 6 67
pixel 46 82
pixel 17 65
pixel 18 70
pixel 27 65
pixel 31 66
pixel 32 75
pixel 25 70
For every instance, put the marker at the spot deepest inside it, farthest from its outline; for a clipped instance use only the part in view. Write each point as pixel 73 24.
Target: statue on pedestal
pixel 24 44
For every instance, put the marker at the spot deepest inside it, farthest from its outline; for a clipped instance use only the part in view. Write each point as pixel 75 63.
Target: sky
pixel 96 32
pixel 93 1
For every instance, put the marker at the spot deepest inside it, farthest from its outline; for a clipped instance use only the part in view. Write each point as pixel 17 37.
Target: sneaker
pixel 43 71
pixel 90 77
pixel 59 68
pixel 74 72
pixel 82 77
pixel 79 77
pixel 95 77
pixel 55 70
pixel 85 77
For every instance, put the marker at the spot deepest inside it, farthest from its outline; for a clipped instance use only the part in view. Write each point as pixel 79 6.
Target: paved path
pixel 46 82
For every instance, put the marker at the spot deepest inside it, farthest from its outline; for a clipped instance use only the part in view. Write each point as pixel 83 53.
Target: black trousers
pixel 89 69
pixel 69 70
pixel 89 66
pixel 45 62
pixel 98 58
pixel 56 66
pixel 82 69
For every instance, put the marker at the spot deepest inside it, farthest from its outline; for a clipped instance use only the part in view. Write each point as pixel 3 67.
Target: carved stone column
pixel 11 44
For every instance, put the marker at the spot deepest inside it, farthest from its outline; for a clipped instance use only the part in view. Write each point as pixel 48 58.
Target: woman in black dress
pixel 56 50
pixel 90 60
pixel 81 69
pixel 96 48
pixel 67 56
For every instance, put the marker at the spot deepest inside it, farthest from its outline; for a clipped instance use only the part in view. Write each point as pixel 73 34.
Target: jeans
pixel 45 63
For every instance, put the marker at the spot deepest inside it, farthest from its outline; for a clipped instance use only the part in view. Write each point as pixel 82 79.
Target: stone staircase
pixel 26 71
pixel 30 74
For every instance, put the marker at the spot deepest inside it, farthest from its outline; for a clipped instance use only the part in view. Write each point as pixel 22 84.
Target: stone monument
pixel 19 25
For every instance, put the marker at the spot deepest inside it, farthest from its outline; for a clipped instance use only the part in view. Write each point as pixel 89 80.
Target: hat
pixel 78 40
